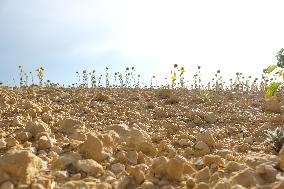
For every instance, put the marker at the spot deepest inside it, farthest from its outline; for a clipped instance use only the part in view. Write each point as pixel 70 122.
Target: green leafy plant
pixel 272 89
pixel 277 138
pixel 278 69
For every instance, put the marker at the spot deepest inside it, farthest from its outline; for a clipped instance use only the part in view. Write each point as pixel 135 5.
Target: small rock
pixel 233 166
pixel 4 177
pixel 207 138
pixel 11 141
pixel 46 117
pixel 17 121
pixel 175 168
pixel 78 136
pixel 159 166
pixel 197 120
pixel 126 182
pixel 21 165
pixel 3 143
pixel 117 167
pixel 37 127
pixel 93 148
pixel 75 184
pixel 210 117
pixel 102 185
pixel 160 113
pixel 24 136
pixel 185 142
pixel 137 136
pixel 279 185
pixel 202 148
pixel 56 149
pixel 202 185
pixel 45 142
pixel 60 175
pixel 70 126
pixel 188 168
pixel 190 183
pixel 248 140
pixel 212 159
pixel 237 186
pixel 76 176
pixel 281 157
pixel 7 185
pixel 221 184
pixel 246 178
pixel 202 175
pixel 148 149
pixel 132 157
pixel 148 185
pixel 223 152
pixel 65 160
pixel 267 172
pixel 41 182
pixel 101 97
pixel 137 173
pixel 122 130
pixel 89 166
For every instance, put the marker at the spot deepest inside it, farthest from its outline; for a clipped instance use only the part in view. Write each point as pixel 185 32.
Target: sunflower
pixel 174 77
pixel 182 69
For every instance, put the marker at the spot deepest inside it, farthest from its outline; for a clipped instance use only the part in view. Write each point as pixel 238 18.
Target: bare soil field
pixel 138 138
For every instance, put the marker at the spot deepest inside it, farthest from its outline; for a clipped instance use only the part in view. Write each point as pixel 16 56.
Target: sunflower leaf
pixel 272 88
pixel 270 68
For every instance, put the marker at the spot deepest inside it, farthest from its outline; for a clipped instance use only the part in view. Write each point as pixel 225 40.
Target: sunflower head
pixel 174 77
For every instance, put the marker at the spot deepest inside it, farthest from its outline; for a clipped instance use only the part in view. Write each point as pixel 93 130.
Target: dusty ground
pixel 136 138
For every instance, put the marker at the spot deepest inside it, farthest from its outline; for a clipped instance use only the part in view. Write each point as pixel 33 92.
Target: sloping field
pixel 137 138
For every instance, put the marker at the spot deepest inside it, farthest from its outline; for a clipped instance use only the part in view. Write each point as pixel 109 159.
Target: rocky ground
pixel 137 138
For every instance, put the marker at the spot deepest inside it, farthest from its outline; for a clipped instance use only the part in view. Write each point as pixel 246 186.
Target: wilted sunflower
pixel 175 65
pixel 182 69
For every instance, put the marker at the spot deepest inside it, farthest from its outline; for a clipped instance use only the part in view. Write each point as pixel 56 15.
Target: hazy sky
pixel 65 36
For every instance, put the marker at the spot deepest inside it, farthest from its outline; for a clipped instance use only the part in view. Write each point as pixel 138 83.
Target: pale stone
pixel 89 166
pixel 3 143
pixel 202 175
pixel 246 178
pixel 21 165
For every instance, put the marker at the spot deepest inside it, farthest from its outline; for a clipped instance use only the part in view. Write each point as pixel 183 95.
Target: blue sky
pixel 65 36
